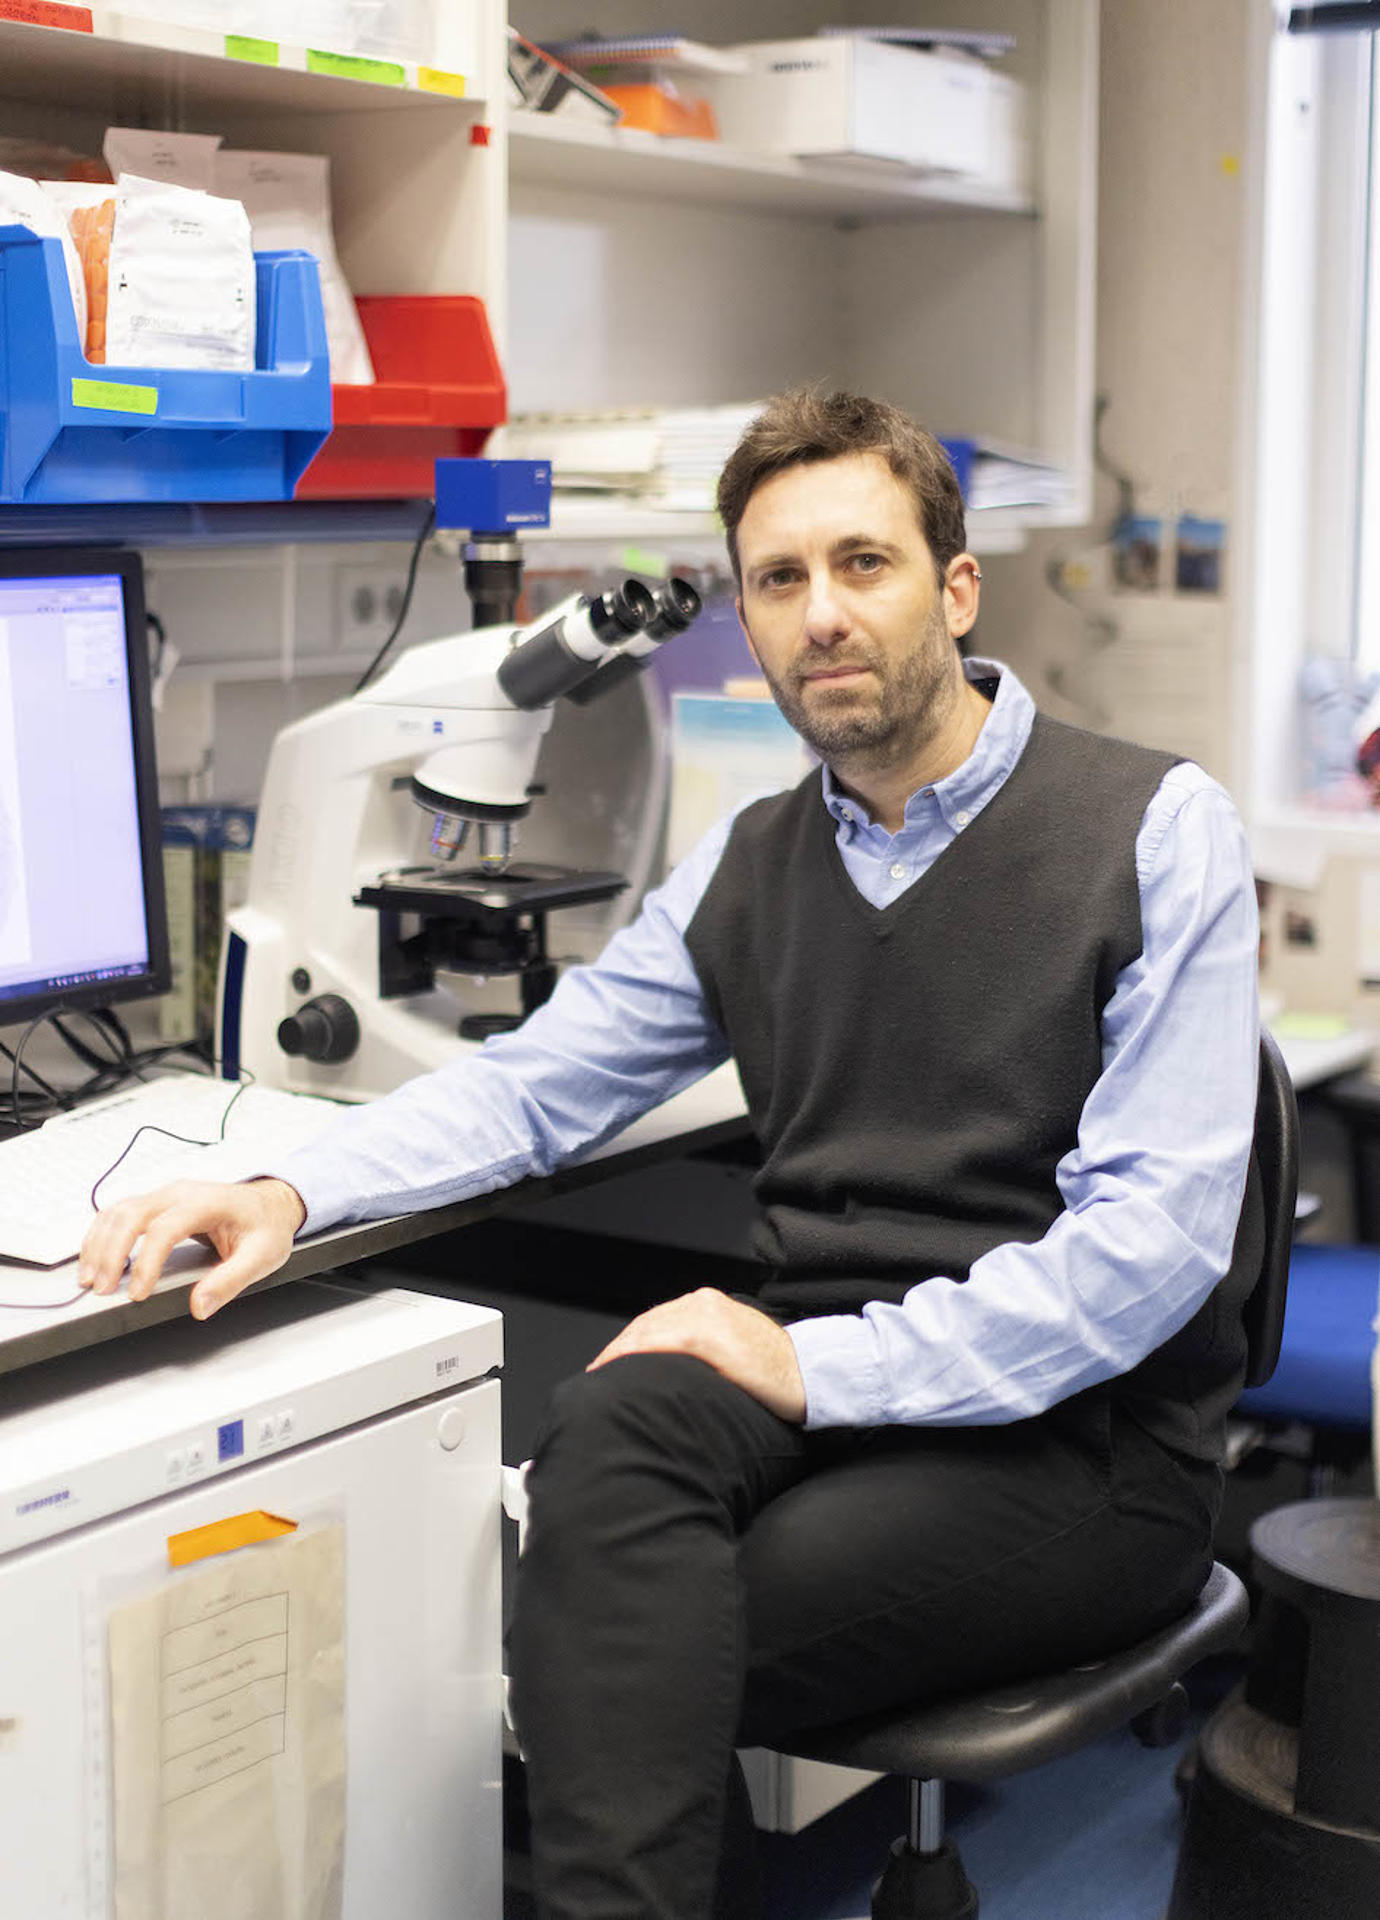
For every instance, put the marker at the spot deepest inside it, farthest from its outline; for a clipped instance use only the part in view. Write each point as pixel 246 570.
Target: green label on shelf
pixel 641 560
pixel 264 53
pixel 114 396
pixel 349 66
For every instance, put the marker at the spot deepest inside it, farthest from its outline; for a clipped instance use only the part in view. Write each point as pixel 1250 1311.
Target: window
pixel 1314 602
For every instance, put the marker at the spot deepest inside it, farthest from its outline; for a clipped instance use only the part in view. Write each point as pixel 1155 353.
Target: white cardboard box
pixel 856 98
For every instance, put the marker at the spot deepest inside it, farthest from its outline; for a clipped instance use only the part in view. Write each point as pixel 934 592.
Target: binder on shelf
pixel 72 433
pixel 438 391
pixel 962 454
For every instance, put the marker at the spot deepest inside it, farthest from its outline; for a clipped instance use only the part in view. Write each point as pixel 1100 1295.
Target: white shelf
pixel 155 60
pixel 545 150
pixel 991 531
pixel 1291 845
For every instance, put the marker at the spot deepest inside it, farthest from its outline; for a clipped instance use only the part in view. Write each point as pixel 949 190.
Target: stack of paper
pixel 695 443
pixel 671 458
pixel 988 46
pixel 1008 477
pixel 647 50
pixel 668 458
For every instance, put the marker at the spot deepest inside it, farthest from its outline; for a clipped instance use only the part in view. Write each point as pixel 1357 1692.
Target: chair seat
pixel 1011 1728
pixel 1323 1375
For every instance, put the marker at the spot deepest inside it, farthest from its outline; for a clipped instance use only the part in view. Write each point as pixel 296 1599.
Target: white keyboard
pixel 46 1176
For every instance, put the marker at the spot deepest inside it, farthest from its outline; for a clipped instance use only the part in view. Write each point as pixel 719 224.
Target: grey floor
pixel 1090 1838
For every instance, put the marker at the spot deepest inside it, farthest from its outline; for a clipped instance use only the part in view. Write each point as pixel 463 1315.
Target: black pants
pixel 699 1574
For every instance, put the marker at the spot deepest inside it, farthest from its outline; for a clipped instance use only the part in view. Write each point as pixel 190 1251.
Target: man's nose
pixel 826 613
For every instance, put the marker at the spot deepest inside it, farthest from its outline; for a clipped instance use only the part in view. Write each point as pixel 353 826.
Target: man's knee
pixel 635 1411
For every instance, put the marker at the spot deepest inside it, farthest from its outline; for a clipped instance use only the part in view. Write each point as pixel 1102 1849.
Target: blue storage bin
pixel 962 454
pixel 76 434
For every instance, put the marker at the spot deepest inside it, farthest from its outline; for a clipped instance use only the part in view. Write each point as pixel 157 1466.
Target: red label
pixel 479 136
pixel 47 13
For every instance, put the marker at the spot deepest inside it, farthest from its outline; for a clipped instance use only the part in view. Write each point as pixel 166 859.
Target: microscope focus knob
pixel 325 1029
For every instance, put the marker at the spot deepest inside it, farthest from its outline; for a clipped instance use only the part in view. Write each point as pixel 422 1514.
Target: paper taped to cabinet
pixel 227 1692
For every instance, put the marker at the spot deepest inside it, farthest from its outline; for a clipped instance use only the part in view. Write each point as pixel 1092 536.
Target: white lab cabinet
pixel 414 1491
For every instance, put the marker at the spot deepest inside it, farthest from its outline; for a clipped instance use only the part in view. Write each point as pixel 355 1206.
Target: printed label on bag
pixel 114 396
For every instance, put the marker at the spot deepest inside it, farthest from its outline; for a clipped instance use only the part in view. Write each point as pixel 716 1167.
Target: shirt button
pixel 847 815
pixel 962 819
pixel 898 872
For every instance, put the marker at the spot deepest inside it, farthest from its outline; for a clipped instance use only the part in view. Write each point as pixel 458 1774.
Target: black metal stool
pixel 1011 1729
pixel 1284 1813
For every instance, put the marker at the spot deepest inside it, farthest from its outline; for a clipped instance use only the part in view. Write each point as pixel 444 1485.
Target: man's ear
pixel 742 622
pixel 961 591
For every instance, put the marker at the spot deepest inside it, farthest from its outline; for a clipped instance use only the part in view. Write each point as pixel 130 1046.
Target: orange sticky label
pixel 224 1536
pixel 47 13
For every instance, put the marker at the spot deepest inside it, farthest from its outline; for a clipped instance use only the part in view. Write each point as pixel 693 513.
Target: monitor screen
pixel 82 919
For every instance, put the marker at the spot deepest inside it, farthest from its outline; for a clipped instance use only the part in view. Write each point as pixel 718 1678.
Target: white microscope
pixel 359 905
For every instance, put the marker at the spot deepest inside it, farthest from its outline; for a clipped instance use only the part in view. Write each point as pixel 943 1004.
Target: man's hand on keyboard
pixel 250 1225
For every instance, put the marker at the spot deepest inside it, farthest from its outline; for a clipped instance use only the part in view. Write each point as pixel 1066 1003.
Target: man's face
pixel 843 611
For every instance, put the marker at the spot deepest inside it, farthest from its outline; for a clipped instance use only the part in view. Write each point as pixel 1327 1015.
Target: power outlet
pixel 368 601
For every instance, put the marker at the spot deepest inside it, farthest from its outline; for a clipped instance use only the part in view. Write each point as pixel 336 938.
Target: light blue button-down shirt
pixel 1152 1189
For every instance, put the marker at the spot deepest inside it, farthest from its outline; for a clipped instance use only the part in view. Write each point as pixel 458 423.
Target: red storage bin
pixel 439 391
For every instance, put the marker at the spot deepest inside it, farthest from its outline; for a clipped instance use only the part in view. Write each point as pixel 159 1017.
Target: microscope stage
pixel 525 887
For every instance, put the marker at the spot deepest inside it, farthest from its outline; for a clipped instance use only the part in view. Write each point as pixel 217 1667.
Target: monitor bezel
pixel 52 563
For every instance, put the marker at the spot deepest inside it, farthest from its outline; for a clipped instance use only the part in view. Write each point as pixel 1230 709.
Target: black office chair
pixel 1009 1729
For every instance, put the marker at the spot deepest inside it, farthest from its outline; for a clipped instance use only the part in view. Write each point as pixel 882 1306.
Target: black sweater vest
pixel 915 1073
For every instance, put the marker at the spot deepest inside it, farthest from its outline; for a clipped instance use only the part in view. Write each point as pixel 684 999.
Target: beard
pixel 902 707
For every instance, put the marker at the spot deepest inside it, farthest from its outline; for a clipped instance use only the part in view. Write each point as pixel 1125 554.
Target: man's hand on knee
pixel 738 1341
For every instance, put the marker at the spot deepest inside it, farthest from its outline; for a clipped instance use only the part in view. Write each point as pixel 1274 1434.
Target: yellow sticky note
pixel 224 1536
pixel 436 80
pixel 1310 1026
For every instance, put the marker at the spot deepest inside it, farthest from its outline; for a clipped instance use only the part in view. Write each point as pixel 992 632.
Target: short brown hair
pixel 806 425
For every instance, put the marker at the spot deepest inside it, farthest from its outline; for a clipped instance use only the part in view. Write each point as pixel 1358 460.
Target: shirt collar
pixel 969 787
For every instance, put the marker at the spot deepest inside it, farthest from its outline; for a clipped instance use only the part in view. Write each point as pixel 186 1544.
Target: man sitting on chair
pixel 989 982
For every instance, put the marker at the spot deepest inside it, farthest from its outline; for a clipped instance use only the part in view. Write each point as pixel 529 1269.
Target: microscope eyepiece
pixel 677 607
pixel 621 612
pixel 549 659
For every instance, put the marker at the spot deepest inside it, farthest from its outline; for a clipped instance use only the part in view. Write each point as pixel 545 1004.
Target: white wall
pixel 1174 206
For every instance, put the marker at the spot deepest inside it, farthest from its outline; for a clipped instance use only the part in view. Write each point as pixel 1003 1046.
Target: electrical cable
pixel 1102 631
pixel 1126 486
pixel 423 534
pixel 169 1134
pixel 107 1072
pixel 247 1079
pixel 17 1066
pixel 119 1062
pixel 160 634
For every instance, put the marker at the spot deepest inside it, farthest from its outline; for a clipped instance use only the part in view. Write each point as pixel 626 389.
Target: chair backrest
pixel 1277 1157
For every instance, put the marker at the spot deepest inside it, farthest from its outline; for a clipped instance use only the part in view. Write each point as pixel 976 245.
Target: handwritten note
pixel 228 1719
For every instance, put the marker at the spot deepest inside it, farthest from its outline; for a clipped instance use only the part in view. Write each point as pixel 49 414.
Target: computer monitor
pixel 82 916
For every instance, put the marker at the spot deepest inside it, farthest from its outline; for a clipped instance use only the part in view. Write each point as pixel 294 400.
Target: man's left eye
pixel 868 562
